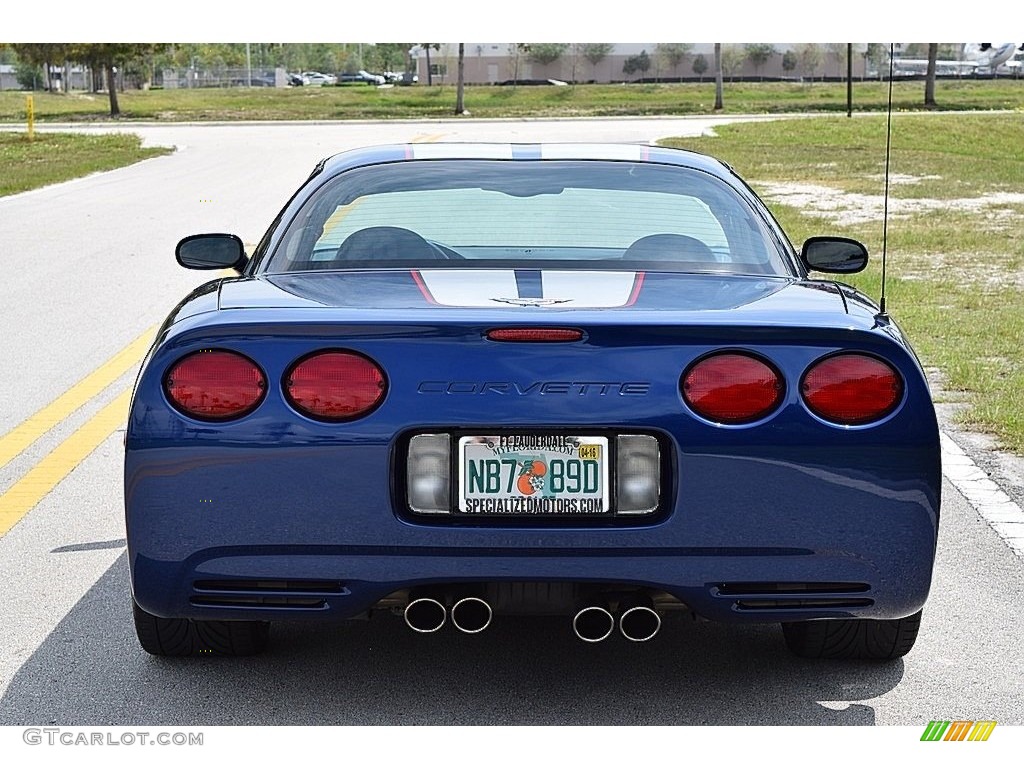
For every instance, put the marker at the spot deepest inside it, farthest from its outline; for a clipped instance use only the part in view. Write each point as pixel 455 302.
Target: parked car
pixel 256 81
pixel 401 78
pixel 296 79
pixel 595 381
pixel 318 78
pixel 362 76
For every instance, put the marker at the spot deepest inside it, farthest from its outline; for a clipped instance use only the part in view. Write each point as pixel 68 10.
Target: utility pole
pixel 849 79
pixel 460 105
pixel 248 66
pixel 718 76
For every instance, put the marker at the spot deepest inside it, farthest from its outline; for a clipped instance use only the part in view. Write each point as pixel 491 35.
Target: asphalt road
pixel 88 268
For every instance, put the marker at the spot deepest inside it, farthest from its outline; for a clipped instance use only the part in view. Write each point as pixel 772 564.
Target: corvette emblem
pixel 532 302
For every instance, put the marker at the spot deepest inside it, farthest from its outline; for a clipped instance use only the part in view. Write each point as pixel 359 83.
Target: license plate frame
pixel 562 488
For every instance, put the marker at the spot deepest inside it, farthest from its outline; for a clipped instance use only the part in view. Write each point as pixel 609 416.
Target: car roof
pixel 548 151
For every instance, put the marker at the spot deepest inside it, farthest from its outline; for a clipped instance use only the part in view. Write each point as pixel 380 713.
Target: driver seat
pixel 386 244
pixel 669 247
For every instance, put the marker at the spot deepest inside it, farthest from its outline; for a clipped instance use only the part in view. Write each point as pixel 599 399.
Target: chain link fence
pixel 221 77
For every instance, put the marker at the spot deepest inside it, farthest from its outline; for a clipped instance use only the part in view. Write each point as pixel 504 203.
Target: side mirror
pixel 211 252
pixel 839 255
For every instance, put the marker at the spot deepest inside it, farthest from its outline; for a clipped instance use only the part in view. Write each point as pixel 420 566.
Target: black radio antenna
pixel 885 199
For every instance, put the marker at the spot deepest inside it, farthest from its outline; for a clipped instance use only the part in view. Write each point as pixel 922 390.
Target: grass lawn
pixel 955 241
pixel 53 157
pixel 419 101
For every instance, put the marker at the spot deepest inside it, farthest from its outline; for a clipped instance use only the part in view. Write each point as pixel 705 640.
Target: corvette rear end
pixel 558 427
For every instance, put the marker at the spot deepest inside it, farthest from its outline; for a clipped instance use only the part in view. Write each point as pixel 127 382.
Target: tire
pixel 870 639
pixel 188 637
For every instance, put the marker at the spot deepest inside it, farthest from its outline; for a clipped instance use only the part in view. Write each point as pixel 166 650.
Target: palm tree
pixel 426 47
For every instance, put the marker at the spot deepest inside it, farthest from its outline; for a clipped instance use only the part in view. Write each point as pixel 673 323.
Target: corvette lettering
pixel 625 388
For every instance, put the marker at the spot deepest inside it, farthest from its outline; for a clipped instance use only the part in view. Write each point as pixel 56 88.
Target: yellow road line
pixel 44 476
pixel 426 138
pixel 335 219
pixel 46 418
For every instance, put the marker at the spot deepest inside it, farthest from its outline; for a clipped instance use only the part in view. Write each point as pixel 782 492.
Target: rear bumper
pixel 737 527
pixel 338 583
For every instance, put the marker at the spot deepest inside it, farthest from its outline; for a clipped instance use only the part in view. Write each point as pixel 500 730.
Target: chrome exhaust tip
pixel 472 615
pixel 638 622
pixel 425 614
pixel 593 624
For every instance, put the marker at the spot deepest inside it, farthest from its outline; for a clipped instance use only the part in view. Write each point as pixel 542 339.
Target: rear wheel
pixel 188 637
pixel 875 639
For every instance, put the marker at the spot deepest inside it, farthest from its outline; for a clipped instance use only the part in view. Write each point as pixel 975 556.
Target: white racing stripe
pixel 590 151
pixel 599 290
pixel 471 287
pixel 438 150
pixel 435 151
pixel 498 288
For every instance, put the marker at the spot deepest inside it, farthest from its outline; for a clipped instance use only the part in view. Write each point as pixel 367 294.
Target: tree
pixel 449 58
pixel 672 53
pixel 700 66
pixel 29 76
pixel 718 76
pixel 877 55
pixel 789 61
pixel 810 58
pixel 759 53
pixel 426 47
pixel 42 55
pixel 838 52
pixel 574 51
pixel 595 53
pixel 639 63
pixel 546 53
pixel 515 52
pixel 460 106
pixel 929 80
pixel 950 51
pixel 733 57
pixel 109 56
pixel 389 57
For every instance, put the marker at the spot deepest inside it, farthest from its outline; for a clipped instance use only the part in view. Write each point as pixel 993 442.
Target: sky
pixel 730 21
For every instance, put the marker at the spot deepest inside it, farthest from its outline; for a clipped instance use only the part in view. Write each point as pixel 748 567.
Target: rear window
pixel 483 213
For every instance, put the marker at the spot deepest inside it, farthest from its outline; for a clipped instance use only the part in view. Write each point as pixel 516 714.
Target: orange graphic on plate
pixel 531 477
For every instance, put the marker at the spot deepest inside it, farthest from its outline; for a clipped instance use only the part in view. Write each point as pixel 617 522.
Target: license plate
pixel 533 475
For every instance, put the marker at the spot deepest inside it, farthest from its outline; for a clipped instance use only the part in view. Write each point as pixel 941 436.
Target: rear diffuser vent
pixel 297 594
pixel 791 604
pixel 789 588
pixel 778 595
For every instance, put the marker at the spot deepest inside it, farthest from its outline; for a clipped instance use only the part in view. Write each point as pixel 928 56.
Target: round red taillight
pixel 732 388
pixel 214 385
pixel 335 386
pixel 851 389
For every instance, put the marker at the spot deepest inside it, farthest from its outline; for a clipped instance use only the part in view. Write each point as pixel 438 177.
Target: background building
pixel 624 62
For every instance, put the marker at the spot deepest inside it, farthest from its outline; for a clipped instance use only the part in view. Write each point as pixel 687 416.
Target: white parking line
pixel 1000 511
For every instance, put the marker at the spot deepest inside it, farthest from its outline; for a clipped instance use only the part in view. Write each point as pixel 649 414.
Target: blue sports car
pixel 459 381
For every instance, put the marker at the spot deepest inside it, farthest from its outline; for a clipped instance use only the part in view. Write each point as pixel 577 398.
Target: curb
pixel 1001 512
